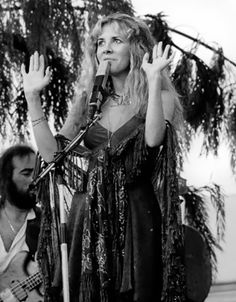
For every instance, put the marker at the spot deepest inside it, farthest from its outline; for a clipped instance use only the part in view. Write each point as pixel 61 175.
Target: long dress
pixel 121 245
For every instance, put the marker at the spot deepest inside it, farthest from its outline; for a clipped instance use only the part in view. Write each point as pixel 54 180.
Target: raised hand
pixel 35 80
pixel 160 60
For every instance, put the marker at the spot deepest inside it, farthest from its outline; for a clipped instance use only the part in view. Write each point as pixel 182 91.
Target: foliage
pixel 196 215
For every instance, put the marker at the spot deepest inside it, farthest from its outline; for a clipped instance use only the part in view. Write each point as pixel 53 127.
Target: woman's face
pixel 114 47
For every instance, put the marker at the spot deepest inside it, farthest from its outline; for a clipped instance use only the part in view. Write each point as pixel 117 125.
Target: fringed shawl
pixel 104 227
pixel 165 183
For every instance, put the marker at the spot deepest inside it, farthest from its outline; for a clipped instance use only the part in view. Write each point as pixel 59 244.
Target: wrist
pixel 155 79
pixel 32 96
pixel 155 85
pixel 35 107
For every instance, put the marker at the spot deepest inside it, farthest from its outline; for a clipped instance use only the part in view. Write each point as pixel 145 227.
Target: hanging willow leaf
pixel 231 133
pixel 196 215
pixel 97 8
pixel 5 81
pixel 59 93
pixel 202 97
pixel 20 126
pixel 217 64
pixel 158 28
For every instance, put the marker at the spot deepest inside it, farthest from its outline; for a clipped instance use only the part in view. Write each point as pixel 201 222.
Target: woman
pixel 124 227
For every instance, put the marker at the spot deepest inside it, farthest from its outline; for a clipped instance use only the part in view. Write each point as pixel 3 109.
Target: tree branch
pixel 200 42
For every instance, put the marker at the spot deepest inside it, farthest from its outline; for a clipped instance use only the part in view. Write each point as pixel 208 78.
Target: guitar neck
pixel 32 281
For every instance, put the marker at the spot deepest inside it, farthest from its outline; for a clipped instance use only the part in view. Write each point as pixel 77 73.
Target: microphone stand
pixel 59 157
pixel 62 154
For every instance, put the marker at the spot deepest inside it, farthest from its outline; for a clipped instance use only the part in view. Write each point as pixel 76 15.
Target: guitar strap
pixel 32 232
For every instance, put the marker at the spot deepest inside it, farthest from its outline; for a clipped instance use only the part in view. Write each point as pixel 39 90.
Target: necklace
pixel 9 222
pixel 119 100
pixel 109 132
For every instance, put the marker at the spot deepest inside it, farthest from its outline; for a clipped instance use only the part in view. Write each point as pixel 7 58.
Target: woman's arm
pixel 161 103
pixel 76 117
pixel 34 81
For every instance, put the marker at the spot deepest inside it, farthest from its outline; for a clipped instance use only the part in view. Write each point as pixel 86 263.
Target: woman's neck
pixel 118 84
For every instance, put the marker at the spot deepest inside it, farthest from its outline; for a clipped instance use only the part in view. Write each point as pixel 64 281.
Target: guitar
pixel 15 286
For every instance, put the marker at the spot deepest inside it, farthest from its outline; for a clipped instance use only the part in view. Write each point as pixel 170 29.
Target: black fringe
pixel 165 184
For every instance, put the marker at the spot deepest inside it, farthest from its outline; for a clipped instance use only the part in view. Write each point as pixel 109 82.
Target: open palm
pixel 35 80
pixel 160 60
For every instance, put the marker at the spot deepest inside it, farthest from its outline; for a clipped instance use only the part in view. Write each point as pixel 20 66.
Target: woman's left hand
pixel 160 60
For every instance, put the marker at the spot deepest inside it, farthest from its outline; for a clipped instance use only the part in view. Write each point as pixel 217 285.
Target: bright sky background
pixel 214 22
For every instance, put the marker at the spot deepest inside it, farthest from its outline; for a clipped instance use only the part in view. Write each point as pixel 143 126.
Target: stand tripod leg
pixel 64 252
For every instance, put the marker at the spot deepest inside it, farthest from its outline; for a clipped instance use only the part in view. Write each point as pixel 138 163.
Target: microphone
pixel 98 95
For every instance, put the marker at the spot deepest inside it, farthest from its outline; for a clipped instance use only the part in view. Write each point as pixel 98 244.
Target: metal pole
pixel 63 244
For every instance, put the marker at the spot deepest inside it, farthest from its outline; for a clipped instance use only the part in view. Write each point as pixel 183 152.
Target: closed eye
pixel 26 172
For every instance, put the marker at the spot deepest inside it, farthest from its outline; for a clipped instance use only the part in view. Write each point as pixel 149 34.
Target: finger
pixel 48 72
pixel 41 63
pixel 166 51
pixel 171 56
pixel 154 52
pixel 146 57
pixel 36 61
pixel 31 67
pixel 145 61
pixel 47 77
pixel 22 69
pixel 159 49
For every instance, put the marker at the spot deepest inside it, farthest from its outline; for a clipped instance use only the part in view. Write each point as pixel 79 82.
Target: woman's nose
pixel 107 51
pixel 107 48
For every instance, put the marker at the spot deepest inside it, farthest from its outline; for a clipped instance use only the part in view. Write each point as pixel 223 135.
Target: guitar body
pixel 12 281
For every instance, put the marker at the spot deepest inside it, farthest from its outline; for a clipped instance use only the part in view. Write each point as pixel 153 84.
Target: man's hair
pixel 6 166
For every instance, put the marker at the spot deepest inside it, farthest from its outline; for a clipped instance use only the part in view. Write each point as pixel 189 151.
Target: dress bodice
pixel 98 134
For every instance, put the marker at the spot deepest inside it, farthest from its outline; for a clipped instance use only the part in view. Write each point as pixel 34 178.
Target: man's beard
pixel 22 200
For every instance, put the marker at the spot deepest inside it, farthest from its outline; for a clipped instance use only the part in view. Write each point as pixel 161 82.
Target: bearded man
pixel 19 216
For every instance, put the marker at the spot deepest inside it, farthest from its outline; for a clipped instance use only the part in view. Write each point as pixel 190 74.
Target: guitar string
pixel 32 280
pixel 19 291
pixel 29 280
pixel 18 285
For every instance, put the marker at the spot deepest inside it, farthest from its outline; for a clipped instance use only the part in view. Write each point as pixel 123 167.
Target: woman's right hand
pixel 35 80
